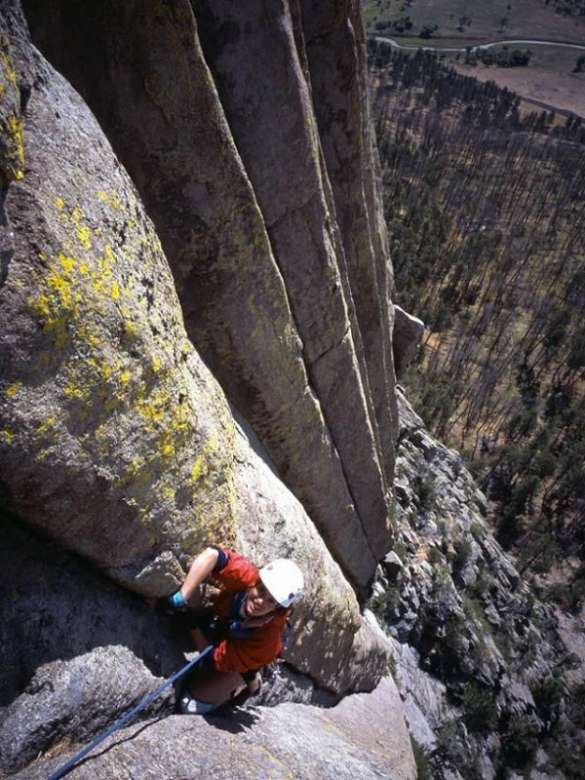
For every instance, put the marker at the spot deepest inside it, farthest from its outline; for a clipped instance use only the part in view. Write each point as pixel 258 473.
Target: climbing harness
pixel 66 768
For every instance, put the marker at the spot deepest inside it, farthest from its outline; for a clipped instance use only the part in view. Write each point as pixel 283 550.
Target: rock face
pixel 335 46
pixel 116 439
pixel 111 423
pixel 231 169
pixel 484 668
pixel 226 383
pixel 285 157
pixel 330 643
pixel 291 740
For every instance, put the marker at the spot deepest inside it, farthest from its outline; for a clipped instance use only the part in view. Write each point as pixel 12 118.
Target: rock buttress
pixel 250 280
pixel 114 437
pixel 252 53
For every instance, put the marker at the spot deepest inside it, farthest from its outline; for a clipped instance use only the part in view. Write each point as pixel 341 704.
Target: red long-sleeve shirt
pixel 265 642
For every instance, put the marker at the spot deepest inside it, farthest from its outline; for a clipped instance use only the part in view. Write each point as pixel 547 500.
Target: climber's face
pixel 259 601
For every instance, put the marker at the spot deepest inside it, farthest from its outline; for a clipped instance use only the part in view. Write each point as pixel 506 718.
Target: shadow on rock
pixel 234 720
pixel 76 651
pixel 55 607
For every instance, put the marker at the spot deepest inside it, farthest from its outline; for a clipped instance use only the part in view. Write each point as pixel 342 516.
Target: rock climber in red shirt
pixel 245 623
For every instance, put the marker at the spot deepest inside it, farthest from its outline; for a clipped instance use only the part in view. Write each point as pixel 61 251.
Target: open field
pixel 477 19
pixel 547 82
pixel 548 79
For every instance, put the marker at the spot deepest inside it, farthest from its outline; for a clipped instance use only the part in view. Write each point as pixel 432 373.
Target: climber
pixel 245 622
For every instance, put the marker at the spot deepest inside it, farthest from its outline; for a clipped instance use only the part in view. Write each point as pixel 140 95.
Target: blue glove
pixel 178 601
pixel 172 605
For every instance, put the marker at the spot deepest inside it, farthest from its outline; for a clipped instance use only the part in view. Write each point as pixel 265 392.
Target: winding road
pixel 393 42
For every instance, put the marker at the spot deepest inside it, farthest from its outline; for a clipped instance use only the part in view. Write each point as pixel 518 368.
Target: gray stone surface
pixel 78 697
pixel 423 696
pixel 364 737
pixel 75 650
pixel 330 641
pixel 153 93
pixel 104 404
pixel 335 44
pixel 284 156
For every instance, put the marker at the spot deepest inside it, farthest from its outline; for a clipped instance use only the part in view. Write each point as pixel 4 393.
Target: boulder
pixel 410 421
pixel 81 697
pixel 392 564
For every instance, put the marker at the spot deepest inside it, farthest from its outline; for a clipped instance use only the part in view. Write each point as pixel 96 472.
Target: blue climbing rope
pixel 66 768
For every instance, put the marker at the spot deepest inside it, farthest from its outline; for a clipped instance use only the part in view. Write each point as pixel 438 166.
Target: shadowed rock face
pixel 77 652
pixel 228 161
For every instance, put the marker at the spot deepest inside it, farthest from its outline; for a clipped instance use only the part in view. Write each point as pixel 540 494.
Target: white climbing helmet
pixel 283 580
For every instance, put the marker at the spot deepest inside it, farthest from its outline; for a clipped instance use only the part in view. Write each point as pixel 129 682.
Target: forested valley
pixel 485 204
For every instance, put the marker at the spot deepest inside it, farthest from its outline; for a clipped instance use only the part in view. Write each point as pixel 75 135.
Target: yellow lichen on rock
pixel 129 398
pixel 12 160
pixel 112 199
pixel 13 389
pixel 16 127
pixel 47 426
pixel 71 280
pixel 200 469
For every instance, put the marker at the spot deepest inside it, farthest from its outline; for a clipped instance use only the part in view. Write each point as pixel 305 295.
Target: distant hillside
pixel 487 222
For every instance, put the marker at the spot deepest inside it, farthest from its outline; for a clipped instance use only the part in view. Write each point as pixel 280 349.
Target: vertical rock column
pixel 251 50
pixel 153 93
pixel 115 438
pixel 299 35
pixel 334 40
